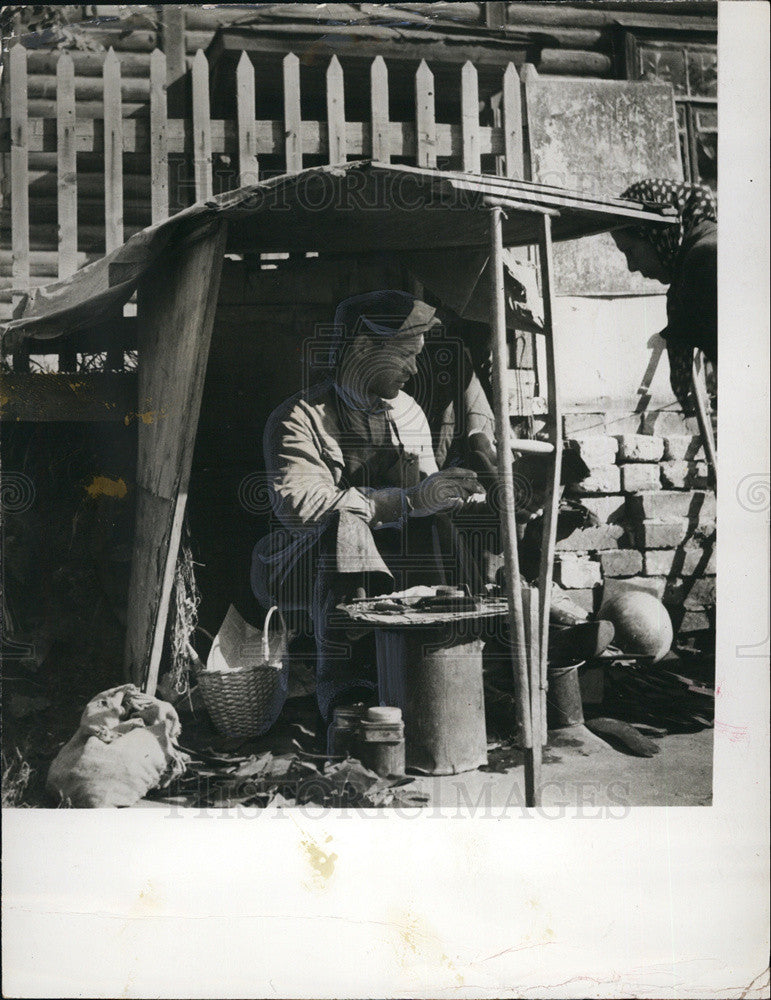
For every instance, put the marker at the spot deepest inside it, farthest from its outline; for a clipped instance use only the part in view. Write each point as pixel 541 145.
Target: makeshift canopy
pixel 356 206
pixel 452 229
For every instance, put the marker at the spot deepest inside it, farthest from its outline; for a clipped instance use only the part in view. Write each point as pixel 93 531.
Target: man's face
pixel 382 367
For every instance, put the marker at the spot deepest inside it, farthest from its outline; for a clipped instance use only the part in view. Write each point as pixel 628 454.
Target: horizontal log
pixel 43 237
pixel 461 13
pixel 40 108
pixel 134 164
pixel 560 61
pixel 132 64
pixel 135 212
pixel 592 39
pixel 269 137
pixel 87 88
pixel 200 19
pixel 70 396
pixel 44 263
pixel 43 183
pixel 582 15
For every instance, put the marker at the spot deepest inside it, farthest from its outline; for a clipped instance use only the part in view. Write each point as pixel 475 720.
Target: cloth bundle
pixel 123 748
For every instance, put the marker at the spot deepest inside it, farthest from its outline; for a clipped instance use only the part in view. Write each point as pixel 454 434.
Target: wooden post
pixel 469 97
pixel 554 429
pixel 381 146
pixel 248 170
pixel 176 306
pixel 425 121
pixel 335 111
pixel 508 521
pixel 202 158
pixel 66 166
pixel 159 147
pixel 292 114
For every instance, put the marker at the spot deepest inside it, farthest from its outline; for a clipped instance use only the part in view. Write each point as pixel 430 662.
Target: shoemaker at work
pixel 354 484
pixel 683 256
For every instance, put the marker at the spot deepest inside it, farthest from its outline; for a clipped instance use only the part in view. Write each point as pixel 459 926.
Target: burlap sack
pixel 124 747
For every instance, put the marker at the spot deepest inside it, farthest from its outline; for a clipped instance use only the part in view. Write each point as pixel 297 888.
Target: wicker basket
pixel 246 702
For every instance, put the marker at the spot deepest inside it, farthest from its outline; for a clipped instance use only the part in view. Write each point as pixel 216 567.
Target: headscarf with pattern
pixel 692 202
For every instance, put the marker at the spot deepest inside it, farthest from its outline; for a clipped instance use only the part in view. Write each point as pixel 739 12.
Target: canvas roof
pixel 359 206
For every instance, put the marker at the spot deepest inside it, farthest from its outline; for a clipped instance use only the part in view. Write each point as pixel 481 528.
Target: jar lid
pixel 384 713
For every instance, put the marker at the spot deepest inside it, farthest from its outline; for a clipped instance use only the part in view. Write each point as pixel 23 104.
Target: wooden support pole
pixel 176 306
pixel 516 616
pixel 554 430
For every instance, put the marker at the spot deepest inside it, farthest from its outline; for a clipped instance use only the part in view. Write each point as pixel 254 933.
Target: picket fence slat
pixel 472 161
pixel 292 114
pixel 381 147
pixel 159 145
pixel 425 120
pixel 113 154
pixel 336 112
pixel 248 169
pixel 202 145
pixel 19 170
pixel 514 158
pixel 67 180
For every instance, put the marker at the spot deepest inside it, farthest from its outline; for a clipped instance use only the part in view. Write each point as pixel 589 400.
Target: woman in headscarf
pixel 683 256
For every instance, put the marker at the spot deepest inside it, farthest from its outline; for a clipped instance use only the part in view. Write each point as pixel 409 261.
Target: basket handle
pixel 266 631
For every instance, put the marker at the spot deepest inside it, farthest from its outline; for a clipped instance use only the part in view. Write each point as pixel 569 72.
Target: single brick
pixel 621 562
pixel 603 479
pixel 683 447
pixel 699 594
pixel 576 572
pixel 682 475
pixel 640 477
pixel 588 599
pixel 583 423
pixel 606 536
pixel 668 423
pixel 684 561
pixel 607 510
pixel 595 449
pixel 660 535
pixel 672 505
pixel 640 448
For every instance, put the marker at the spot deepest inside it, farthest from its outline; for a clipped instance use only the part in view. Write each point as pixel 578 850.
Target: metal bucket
pixel 435 677
pixel 563 700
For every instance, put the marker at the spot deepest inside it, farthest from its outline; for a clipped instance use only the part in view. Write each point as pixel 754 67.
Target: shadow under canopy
pixel 450 229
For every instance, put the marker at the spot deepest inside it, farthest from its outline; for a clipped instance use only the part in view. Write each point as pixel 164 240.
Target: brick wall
pixel 651 495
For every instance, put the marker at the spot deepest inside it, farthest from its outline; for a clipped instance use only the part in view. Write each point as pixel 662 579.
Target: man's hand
pixel 445 490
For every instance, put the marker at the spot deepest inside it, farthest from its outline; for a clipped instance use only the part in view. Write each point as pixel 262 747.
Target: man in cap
pixel 353 482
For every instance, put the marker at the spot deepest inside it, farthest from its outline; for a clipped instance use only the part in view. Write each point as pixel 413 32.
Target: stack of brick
pixel 651 495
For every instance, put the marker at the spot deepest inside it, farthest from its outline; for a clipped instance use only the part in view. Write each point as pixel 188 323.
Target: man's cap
pixel 392 314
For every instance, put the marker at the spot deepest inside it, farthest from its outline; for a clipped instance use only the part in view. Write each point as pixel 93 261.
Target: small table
pixel 429 664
